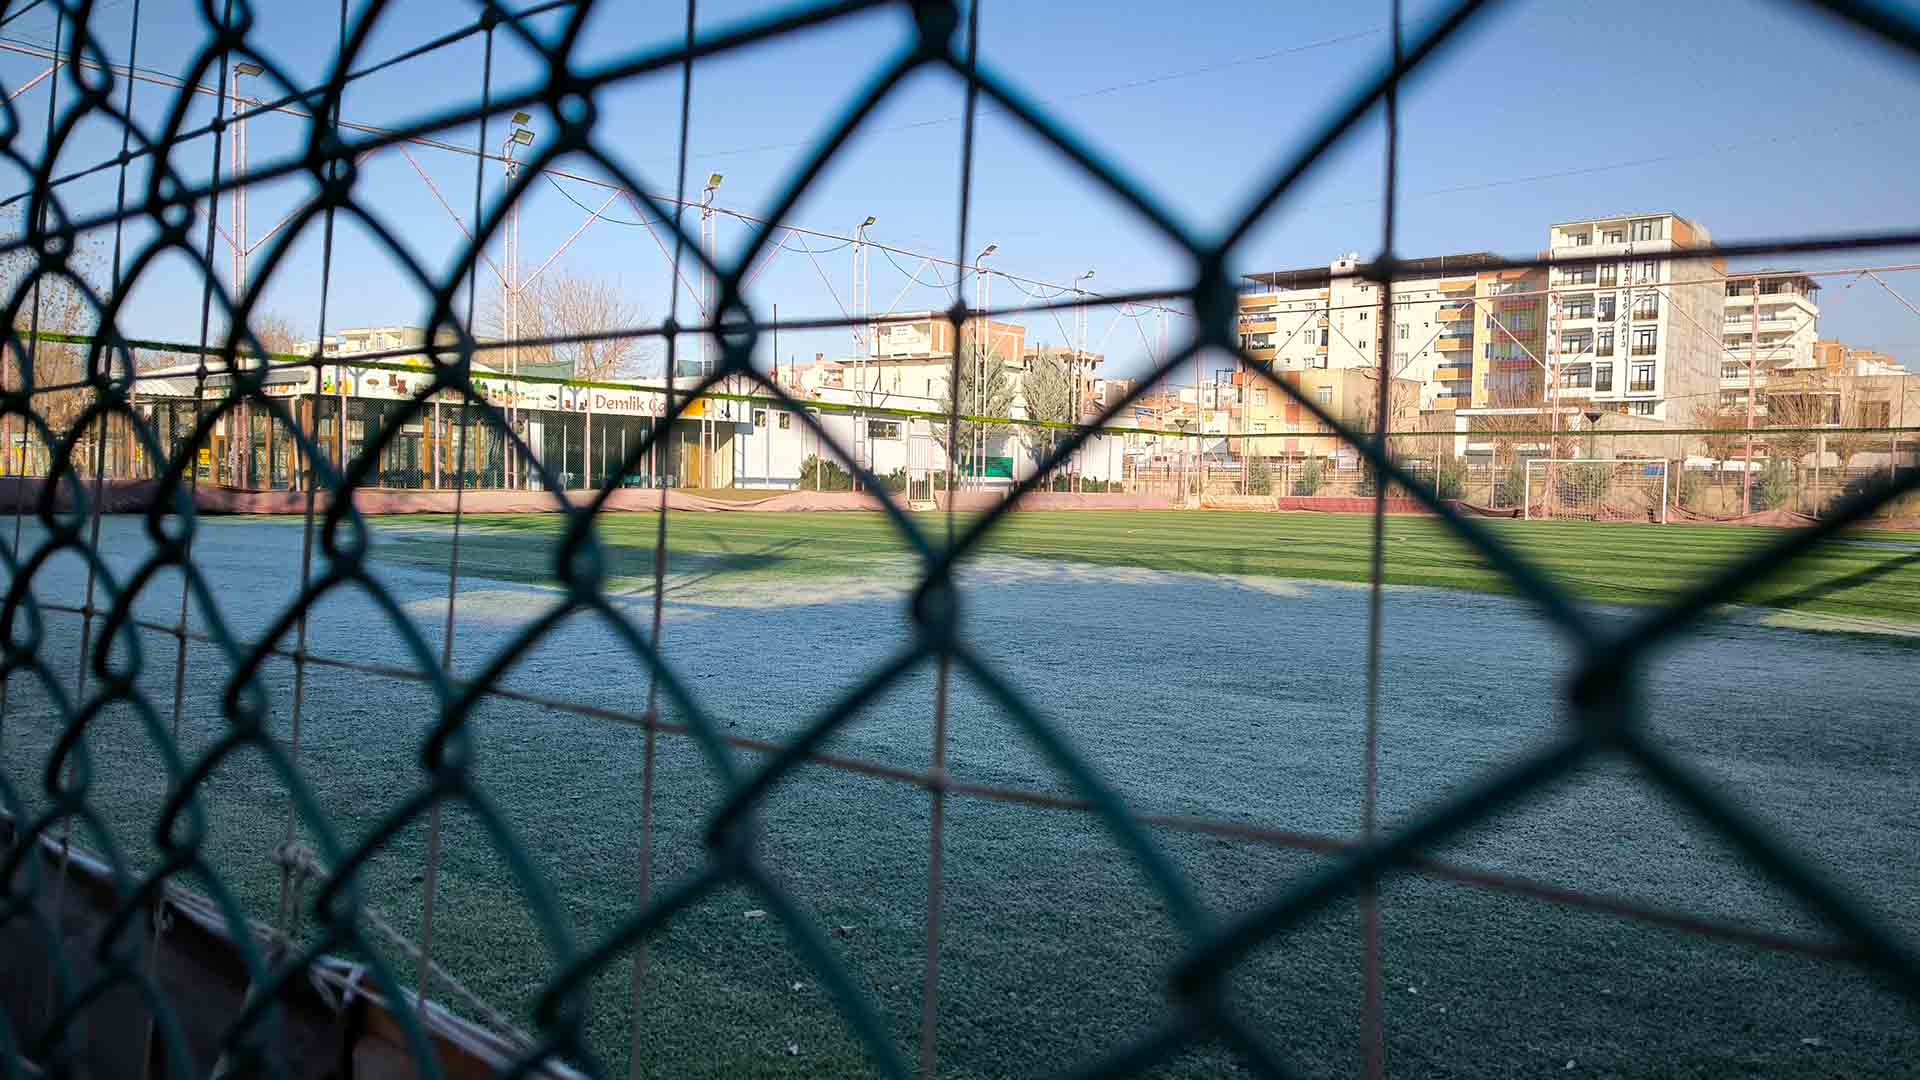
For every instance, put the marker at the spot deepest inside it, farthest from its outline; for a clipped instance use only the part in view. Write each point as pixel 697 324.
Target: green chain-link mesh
pixel 1604 706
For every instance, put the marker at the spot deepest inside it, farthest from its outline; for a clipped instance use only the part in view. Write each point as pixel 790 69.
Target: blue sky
pixel 1755 119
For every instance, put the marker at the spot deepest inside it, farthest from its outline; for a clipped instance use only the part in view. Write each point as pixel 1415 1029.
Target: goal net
pixel 1587 490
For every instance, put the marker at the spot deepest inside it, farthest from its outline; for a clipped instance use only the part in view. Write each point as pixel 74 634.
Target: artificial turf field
pixel 1608 563
pixel 1209 666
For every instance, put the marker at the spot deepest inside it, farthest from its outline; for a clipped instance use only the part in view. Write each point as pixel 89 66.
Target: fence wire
pixel 1603 700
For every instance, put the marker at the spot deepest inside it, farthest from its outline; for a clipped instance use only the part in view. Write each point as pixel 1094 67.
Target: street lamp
pixel 981 345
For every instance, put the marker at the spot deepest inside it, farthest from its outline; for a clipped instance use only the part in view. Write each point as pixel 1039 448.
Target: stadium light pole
pixel 1181 423
pixel 240 448
pixel 709 242
pixel 865 345
pixel 1079 356
pixel 980 349
pixel 520 135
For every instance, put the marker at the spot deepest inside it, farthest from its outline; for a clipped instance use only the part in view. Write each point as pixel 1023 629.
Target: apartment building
pixel 1787 331
pixel 1838 358
pixel 1639 331
pixel 1334 318
pixel 1509 317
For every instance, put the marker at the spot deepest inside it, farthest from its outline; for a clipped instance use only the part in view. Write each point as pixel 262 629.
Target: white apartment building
pixel 1640 331
pixel 1333 318
pixel 1788 328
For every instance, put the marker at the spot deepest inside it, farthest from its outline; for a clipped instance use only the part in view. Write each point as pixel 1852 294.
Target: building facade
pixel 1787 332
pixel 1640 330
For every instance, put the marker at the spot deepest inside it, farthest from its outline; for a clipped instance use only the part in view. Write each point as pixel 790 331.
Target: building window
pixel 1362 346
pixel 1609 276
pixel 1733 371
pixel 1603 343
pixel 1641 379
pixel 883 429
pixel 1574 344
pixel 1582 276
pixel 1603 377
pixel 759 418
pixel 1580 309
pixel 1521 321
pixel 1649 270
pixel 1260 395
pixel 1645 341
pixel 1363 316
pixel 1606 308
pixel 1259 428
pixel 1733 397
pixel 1645 230
pixel 1771 287
pixel 1323 394
pixel 1488 349
pixel 1582 239
pixel 1323 335
pixel 1646 306
pixel 1613 236
pixel 1579 376
pixel 786 421
pixel 1643 408
pixel 1400 358
pixel 1404 328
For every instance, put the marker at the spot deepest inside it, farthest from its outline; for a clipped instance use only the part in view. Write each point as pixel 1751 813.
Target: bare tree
pixel 562 303
pixel 1726 434
pixel 1793 406
pixel 1862 405
pixel 54 305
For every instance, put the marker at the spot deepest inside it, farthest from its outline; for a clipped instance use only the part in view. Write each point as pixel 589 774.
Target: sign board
pixel 997 468
pixel 904 339
pixel 206 456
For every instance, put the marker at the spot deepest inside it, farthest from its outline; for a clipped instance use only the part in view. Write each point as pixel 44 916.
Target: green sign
pixel 996 468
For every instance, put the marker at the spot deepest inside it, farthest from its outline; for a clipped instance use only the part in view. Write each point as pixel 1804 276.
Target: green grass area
pixel 1194 696
pixel 1612 563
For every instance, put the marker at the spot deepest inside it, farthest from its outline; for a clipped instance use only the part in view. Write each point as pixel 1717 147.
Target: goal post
pixel 1586 489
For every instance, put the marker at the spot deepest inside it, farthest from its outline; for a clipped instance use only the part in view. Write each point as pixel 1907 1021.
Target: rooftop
pixel 1469 262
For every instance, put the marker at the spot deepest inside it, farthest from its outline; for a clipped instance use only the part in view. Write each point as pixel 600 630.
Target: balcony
pixel 1265 324
pixel 1446 374
pixel 1577 314
pixel 1640 387
pixel 1452 314
pixel 1455 342
pixel 1644 350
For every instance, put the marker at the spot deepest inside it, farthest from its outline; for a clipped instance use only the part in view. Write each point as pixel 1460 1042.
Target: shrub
pixel 1774 488
pixel 1513 486
pixel 1690 489
pixel 1451 481
pixel 824 474
pixel 1311 478
pixel 1259 477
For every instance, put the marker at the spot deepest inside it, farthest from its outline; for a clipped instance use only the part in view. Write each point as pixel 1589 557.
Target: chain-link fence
pixel 320 887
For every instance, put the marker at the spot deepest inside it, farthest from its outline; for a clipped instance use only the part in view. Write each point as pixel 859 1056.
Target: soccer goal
pixel 1587 490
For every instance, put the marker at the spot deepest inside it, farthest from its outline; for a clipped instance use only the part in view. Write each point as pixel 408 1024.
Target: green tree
pixel 1048 391
pixel 991 395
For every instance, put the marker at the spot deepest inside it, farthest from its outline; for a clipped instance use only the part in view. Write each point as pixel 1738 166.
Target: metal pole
pixel 1753 366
